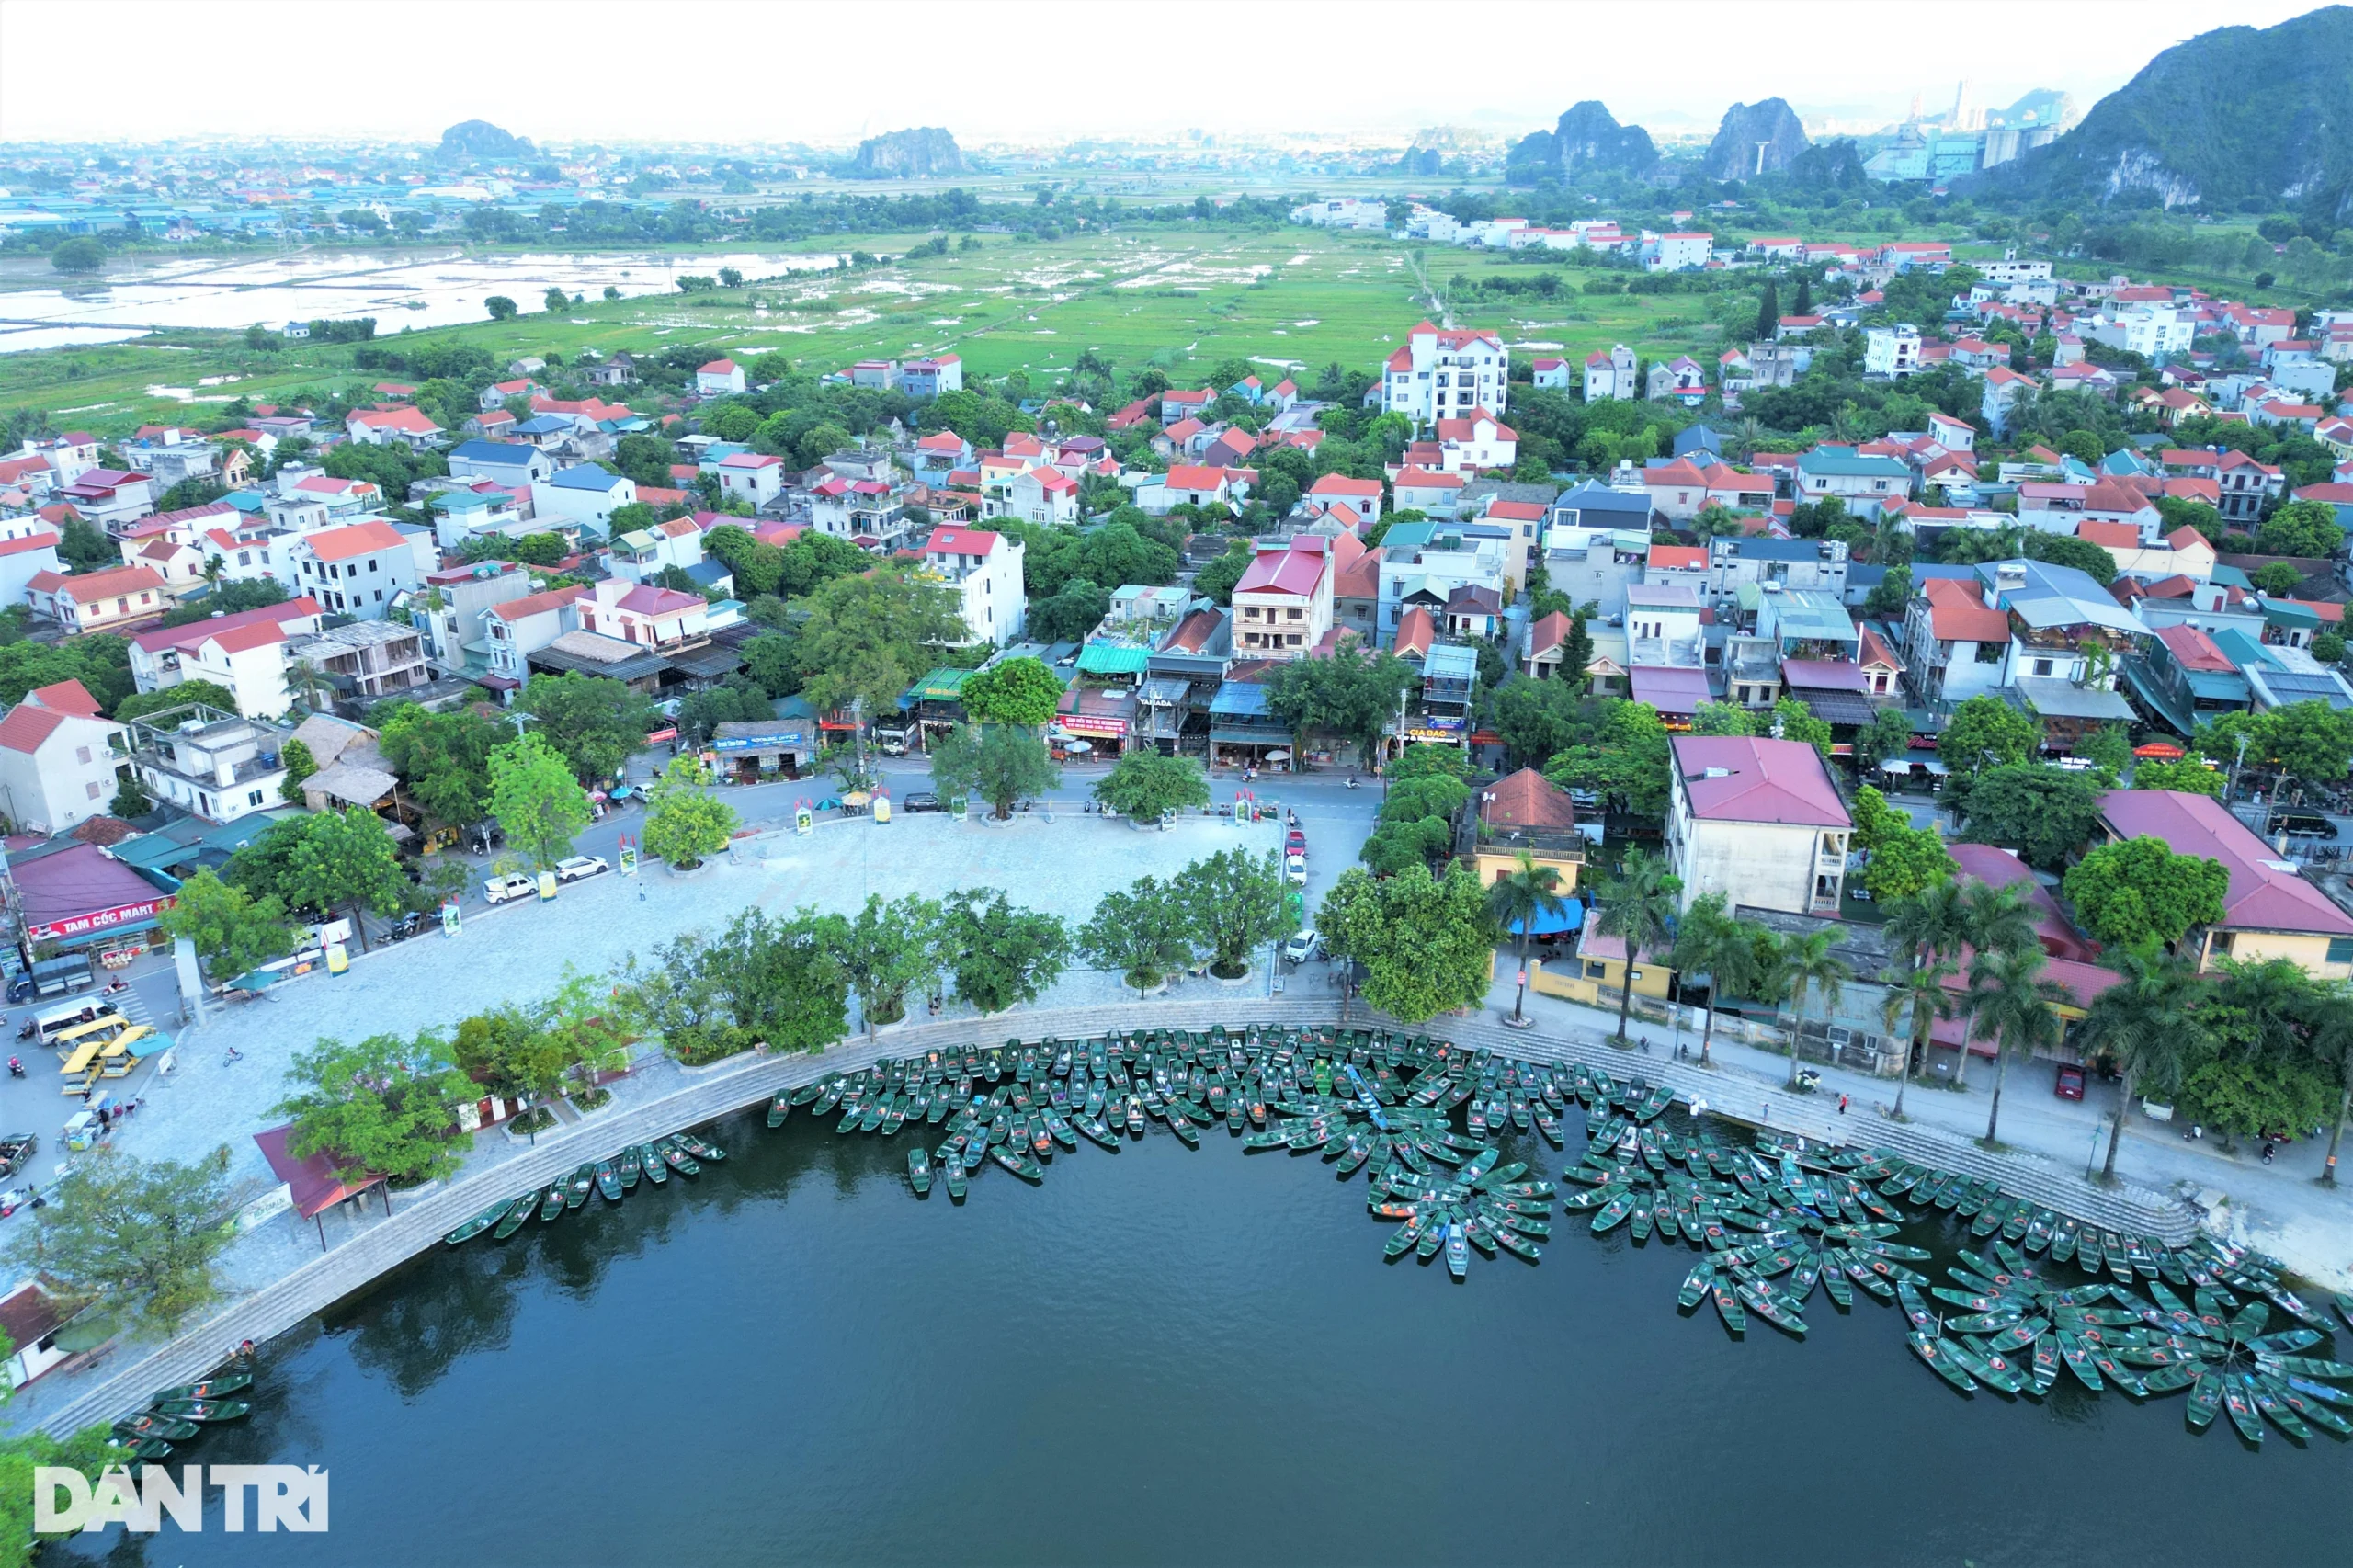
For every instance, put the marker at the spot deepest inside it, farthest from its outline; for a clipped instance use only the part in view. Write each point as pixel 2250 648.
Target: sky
pixel 1034 71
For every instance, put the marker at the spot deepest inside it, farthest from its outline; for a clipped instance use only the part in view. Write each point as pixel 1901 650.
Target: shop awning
pixel 1113 659
pixel 1546 924
pixel 940 685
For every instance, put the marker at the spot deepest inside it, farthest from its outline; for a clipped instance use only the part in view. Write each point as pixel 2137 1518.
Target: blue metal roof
pixel 1239 698
pixel 510 453
pixel 585 477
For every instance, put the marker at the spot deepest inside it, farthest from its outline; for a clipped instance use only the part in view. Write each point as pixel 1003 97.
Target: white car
pixel 1301 948
pixel 1295 869
pixel 498 890
pixel 580 866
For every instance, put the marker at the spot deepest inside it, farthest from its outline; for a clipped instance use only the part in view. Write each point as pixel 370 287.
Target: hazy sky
pixel 1018 70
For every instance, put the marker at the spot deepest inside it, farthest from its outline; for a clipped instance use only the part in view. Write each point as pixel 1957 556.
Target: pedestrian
pixel 1842 1105
pixel 105 1120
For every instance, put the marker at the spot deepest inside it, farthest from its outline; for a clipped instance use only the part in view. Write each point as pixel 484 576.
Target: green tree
pixel 868 637
pixel 1722 718
pixel 233 931
pixel 383 1105
pixel 144 1237
pixel 1235 901
pixel 1144 931
pixel 884 951
pixel 1908 860
pixel 1804 965
pixel 84 548
pixel 91 1451
pixel 1070 612
pixel 1216 579
pixel 1012 691
pixel 443 759
pixel 1637 906
pixel 2299 528
pixel 1352 694
pixel 1002 764
pixel 1710 944
pixel 2147 1025
pixel 1988 920
pixel 540 807
pixel 500 307
pixel 1986 732
pixel 300 764
pixel 2009 999
pixel 2047 813
pixel 1793 721
pixel 344 861
pixel 685 823
pixel 1538 719
pixel 2189 776
pixel 1888 734
pixel 1927 927
pixel 2138 890
pixel 1001 956
pixel 1627 760
pixel 78 256
pixel 1150 784
pixel 1517 899
pixel 139 704
pixel 759 979
pixel 1430 946
pixel 556 299
pixel 594 723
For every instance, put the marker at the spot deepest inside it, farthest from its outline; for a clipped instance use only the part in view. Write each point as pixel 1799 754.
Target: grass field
pixel 1158 294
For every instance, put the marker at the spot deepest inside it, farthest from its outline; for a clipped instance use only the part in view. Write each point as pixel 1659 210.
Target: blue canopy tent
pixel 1570 918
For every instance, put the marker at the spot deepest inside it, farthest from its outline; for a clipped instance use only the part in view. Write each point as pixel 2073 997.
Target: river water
pixel 1172 1356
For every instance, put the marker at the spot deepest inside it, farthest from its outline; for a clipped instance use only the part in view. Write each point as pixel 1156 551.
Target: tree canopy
pixel 1002 764
pixel 2138 889
pixel 1012 691
pixel 540 807
pixel 1148 784
pixel 2047 813
pixel 1352 695
pixel 384 1105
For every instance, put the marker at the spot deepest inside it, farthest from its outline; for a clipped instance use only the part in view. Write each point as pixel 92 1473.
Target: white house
pixel 59 759
pixel 1611 375
pixel 1891 350
pixel 381 426
pixel 986 568
pixel 719 378
pixel 242 653
pixel 354 571
pixel 1548 370
pixel 510 463
pixel 930 377
pixel 584 493
pixel 1681 253
pixel 1759 821
pixel 1038 494
pixel 2004 386
pixel 751 476
pixel 1477 440
pixel 1444 374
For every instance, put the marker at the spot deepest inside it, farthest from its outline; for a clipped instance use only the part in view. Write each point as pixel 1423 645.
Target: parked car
pixel 1295 869
pixel 1296 844
pixel 1303 947
pixel 498 890
pixel 921 801
pixel 2070 1084
pixel 579 866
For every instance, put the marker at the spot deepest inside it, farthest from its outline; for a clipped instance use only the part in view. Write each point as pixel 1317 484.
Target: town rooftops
pixel 1293 570
pixel 962 542
pixel 359 539
pixel 1527 800
pixel 2265 894
pixel 88 587
pixel 586 476
pixel 1751 778
pixel 536 604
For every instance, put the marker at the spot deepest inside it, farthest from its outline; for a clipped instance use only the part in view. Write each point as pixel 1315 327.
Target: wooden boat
pixel 1019 1162
pixel 658 1170
pixel 952 1173
pixel 577 1185
pixel 778 1109
pixel 151 1450
pixel 203 1410
pixel 1696 1286
pixel 1773 1309
pixel 1457 1251
pixel 1987 1367
pixel 478 1224
pixel 807 1094
pixel 517 1212
pixel 919 1171
pixel 697 1148
pixel 1938 1354
pixel 677 1159
pixel 1182 1126
pixel 608 1181
pixel 211 1388
pixel 151 1425
pixel 1514 1243
pixel 551 1202
pixel 2240 1404
pixel 1614 1213
pixel 1728 1305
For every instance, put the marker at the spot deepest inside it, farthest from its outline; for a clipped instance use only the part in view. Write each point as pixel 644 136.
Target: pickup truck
pixel 498 890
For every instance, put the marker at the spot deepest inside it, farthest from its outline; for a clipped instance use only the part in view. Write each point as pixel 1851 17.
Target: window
pixel 253 797
pixel 373 565
pixel 2340 949
pixel 82 754
pixel 1595 969
pixel 2043 667
pixel 93 788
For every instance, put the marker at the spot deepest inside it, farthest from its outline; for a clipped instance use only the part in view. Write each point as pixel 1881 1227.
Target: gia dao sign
pixel 285 1497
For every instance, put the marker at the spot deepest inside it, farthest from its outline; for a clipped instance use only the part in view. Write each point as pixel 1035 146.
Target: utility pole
pixel 2236 763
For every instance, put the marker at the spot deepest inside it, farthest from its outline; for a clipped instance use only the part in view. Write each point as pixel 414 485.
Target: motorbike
pixel 28 1029
pixel 16 1068
pixel 1352 781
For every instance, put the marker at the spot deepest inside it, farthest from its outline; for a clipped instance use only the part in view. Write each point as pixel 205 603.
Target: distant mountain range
pixel 2237 115
pixel 1588 139
pixel 478 141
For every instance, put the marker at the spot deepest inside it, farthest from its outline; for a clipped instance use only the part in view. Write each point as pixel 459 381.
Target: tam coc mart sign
pixel 75 927
pixel 1092 724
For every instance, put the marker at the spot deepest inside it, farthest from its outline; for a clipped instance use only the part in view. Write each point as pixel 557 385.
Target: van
pixel 51 1025
pixel 53 977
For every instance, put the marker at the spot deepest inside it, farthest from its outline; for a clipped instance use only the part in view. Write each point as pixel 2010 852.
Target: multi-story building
pixel 98 601
pixel 928 379
pixel 109 498
pixel 1891 350
pixel 516 629
pixel 986 568
pixel 356 571
pixel 2268 911
pixel 1612 375
pixel 1282 605
pixel 1445 374
pixel 1757 820
pixel 366 660
pixel 61 759
pixel 209 764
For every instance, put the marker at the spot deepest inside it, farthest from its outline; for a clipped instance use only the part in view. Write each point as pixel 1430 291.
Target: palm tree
pixel 1748 435
pixel 1519 898
pixel 304 677
pixel 1928 927
pixel 1991 920
pixel 1806 964
pixel 2007 992
pixel 1637 906
pixel 2147 1023
pixel 1922 990
pixel 1708 941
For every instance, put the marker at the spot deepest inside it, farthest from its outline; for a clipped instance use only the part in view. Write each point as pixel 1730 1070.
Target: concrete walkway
pixel 2280 1209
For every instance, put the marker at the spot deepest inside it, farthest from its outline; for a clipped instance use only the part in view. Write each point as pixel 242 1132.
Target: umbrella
pixel 1279 756
pixel 256 979
pixel 150 1044
pixel 856 798
pixel 1081 747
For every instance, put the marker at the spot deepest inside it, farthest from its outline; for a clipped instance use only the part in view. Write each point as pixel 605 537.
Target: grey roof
pixel 513 453
pixel 1591 497
pixel 2056 698
pixel 1763 549
pixel 2060 595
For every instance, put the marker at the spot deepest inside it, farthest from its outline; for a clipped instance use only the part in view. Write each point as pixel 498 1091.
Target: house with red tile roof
pixel 2270 911
pixel 381 426
pixel 98 601
pixel 1361 496
pixel 164 657
pixel 719 378
pixel 1757 820
pixel 1474 441
pixel 1282 605
pixel 520 628
pixel 357 569
pixel 1472 362
pixel 60 761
